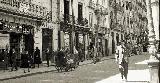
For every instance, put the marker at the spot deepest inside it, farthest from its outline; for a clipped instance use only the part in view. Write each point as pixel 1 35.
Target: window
pixel 80 14
pixel 91 19
pixel 66 10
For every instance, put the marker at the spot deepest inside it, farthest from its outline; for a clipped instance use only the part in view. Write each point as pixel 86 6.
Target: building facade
pixel 78 25
pixel 128 22
pixel 20 23
pixel 62 24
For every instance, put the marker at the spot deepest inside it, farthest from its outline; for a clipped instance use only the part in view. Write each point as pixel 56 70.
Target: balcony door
pixel 66 10
pixel 80 13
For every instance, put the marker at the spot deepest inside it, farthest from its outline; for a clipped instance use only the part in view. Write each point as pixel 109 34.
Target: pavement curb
pixel 27 74
pixel 40 72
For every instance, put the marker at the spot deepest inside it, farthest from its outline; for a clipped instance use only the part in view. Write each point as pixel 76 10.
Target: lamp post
pixel 153 61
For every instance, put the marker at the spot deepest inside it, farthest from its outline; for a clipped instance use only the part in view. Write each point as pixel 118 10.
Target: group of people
pixel 11 58
pixel 30 61
pixel 122 58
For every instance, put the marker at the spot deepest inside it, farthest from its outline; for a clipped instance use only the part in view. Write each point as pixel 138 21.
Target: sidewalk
pixel 5 75
pixel 134 75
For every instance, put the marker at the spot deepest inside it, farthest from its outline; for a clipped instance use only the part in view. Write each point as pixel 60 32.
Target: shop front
pixel 16 35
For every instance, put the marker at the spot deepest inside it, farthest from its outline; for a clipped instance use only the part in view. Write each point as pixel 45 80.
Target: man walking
pixel 125 60
pixel 122 59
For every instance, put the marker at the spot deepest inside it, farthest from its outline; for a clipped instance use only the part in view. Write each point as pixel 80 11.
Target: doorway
pixel 113 43
pixel 29 43
pixel 15 43
pixel 46 41
pixel 106 48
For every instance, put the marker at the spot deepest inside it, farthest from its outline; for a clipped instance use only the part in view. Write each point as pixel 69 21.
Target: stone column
pixel 153 61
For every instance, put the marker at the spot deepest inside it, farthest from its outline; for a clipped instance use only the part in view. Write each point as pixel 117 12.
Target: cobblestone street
pixel 105 71
pixel 79 41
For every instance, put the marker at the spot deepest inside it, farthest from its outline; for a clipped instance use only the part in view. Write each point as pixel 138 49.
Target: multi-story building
pixel 53 24
pixel 99 25
pixel 61 24
pixel 127 21
pixel 77 24
pixel 20 24
pixel 72 24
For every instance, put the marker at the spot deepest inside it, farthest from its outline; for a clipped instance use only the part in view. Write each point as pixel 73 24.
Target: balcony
pixel 68 18
pixel 101 10
pixel 23 9
pixel 140 4
pixel 82 21
pixel 101 30
pixel 118 7
pixel 92 5
pixel 104 10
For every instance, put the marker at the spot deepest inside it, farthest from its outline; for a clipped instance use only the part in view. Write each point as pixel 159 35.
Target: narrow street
pixel 102 72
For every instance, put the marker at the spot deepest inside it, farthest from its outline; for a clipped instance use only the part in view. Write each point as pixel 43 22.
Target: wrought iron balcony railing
pixel 92 4
pixel 82 21
pixel 68 18
pixel 140 4
pixel 101 30
pixel 104 10
pixel 23 8
pixel 101 9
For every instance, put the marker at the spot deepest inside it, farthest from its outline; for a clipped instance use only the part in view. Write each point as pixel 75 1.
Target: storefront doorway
pixel 29 43
pixel 106 48
pixel 46 41
pixel 15 43
pixel 113 43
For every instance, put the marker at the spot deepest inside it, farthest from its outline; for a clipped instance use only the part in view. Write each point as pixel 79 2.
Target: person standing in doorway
pixel 37 59
pixel 25 61
pixel 6 58
pixel 47 56
pixel 13 58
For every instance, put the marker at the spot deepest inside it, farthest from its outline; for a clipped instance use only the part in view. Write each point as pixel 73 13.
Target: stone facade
pixel 22 21
pixel 127 20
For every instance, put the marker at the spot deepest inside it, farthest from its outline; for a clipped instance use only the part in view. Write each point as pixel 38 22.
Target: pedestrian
pixel 80 55
pixel 13 60
pixel 3 58
pixel 25 61
pixel 120 58
pixel 126 54
pixel 91 50
pixel 37 59
pixel 47 56
pixel 6 58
